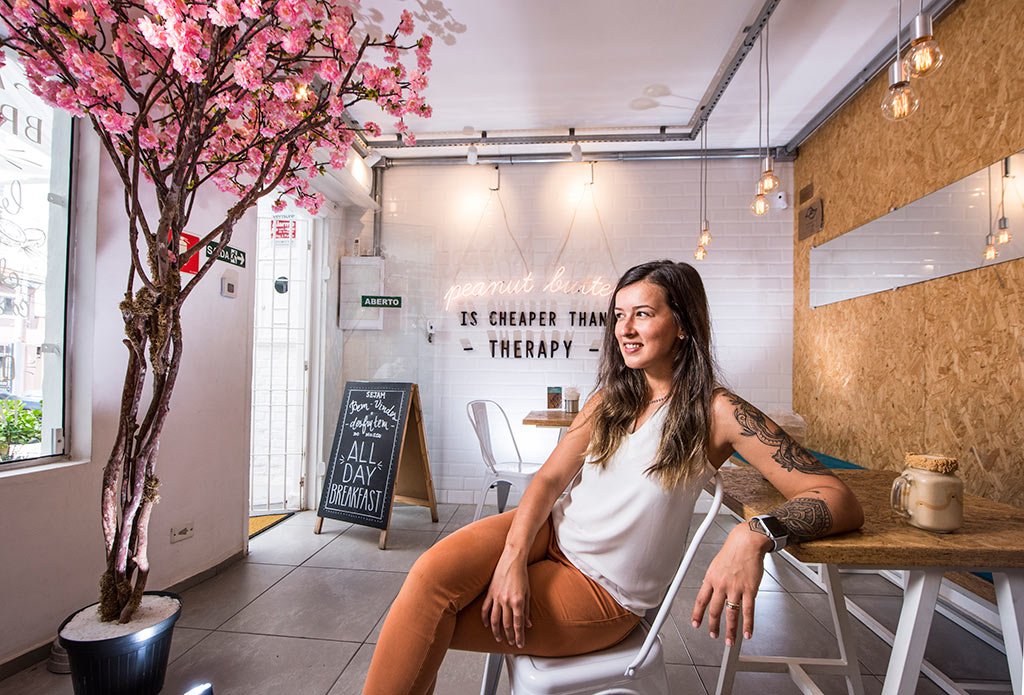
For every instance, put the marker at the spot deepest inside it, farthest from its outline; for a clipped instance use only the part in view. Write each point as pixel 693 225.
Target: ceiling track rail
pixel 729 69
pixel 552 157
pixel 879 63
pixel 687 133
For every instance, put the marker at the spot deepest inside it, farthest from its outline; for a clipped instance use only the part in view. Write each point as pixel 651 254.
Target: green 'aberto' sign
pixel 368 300
pixel 229 255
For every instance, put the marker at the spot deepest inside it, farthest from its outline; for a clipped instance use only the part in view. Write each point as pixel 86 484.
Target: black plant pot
pixel 132 664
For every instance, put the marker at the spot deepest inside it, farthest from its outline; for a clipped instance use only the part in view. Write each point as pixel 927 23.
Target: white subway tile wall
pixel 445 226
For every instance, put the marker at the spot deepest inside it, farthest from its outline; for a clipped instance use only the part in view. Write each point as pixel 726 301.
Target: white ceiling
pixel 539 67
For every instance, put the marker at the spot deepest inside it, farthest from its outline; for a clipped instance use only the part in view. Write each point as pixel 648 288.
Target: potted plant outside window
pixel 18 425
pixel 249 98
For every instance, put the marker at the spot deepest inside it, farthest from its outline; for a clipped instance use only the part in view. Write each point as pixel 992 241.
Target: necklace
pixel 657 400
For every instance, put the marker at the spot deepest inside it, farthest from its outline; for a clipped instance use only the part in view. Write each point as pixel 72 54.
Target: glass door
pixel 281 360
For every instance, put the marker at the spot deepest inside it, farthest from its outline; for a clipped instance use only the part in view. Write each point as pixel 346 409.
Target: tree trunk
pixel 130 486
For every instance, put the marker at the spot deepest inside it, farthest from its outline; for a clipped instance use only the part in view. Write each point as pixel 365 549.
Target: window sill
pixel 11 470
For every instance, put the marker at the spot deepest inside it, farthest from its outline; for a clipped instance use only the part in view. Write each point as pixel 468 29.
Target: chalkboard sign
pixel 379 455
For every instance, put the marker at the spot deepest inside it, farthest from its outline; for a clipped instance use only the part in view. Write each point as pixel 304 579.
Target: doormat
pixel 259 524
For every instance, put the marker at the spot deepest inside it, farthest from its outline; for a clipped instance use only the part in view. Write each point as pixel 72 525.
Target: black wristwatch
pixel 771 527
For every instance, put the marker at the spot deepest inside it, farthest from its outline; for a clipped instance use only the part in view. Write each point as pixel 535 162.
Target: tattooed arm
pixel 818 504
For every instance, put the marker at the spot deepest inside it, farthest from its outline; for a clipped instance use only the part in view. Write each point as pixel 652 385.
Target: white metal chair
pixel 635 666
pixel 484 416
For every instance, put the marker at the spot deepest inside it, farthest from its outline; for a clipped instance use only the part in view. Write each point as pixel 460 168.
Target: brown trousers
pixel 439 608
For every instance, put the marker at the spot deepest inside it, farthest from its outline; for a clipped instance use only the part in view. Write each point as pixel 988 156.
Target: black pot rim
pixel 124 642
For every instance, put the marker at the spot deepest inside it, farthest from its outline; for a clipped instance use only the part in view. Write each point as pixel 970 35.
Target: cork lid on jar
pixel 931 462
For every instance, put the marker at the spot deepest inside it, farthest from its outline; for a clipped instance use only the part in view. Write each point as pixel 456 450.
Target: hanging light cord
pixel 989 201
pixel 704 176
pixel 600 225
pixel 899 25
pixel 760 69
pixel 768 92
pixel 495 194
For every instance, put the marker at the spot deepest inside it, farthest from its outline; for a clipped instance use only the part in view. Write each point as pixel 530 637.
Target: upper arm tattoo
pixel 788 454
pixel 806 518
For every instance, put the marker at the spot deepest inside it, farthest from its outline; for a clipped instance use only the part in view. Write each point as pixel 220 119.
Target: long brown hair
pixel 682 452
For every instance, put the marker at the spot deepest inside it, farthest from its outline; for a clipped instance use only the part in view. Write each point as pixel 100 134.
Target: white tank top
pixel 621 527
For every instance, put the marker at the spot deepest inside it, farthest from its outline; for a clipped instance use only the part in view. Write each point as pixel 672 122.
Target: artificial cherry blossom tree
pixel 248 96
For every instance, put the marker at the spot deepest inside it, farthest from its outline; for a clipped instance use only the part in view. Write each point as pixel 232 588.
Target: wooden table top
pixel 549 418
pixel 992 536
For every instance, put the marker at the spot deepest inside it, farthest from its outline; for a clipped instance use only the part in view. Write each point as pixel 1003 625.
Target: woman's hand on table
pixel 732 578
pixel 506 608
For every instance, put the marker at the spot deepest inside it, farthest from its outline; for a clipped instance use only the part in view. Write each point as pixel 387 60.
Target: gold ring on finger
pixel 732 606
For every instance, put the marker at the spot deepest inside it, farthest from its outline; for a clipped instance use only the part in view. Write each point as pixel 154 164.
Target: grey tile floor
pixel 301 614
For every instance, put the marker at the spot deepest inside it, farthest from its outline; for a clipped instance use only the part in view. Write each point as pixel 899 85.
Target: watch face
pixel 773 526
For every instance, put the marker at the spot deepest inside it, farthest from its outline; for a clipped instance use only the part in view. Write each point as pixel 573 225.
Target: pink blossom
pixel 329 70
pixel 284 91
pixel 103 11
pixel 114 122
pixel 186 39
pixel 168 9
pixel 291 12
pixel 246 76
pixel 155 34
pixel 255 105
pixel 406 25
pixel 423 61
pixel 147 139
pixel 251 9
pixel 418 81
pixel 82 23
pixel 297 39
pixel 226 14
pixel 24 12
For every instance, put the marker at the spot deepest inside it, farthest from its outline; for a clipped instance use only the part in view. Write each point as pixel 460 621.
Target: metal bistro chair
pixel 635 666
pixel 484 415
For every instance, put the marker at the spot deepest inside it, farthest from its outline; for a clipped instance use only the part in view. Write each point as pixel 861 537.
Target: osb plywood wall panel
pixel 975 375
pixel 938 366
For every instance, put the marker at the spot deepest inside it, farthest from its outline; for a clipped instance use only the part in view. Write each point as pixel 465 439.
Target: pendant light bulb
pixel 1004 236
pixel 924 56
pixel 900 100
pixel 700 253
pixel 576 152
pixel 471 155
pixel 705 234
pixel 991 253
pixel 760 205
pixel 769 181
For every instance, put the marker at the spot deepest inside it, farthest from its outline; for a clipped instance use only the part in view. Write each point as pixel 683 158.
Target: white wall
pixel 51 546
pixel 442 225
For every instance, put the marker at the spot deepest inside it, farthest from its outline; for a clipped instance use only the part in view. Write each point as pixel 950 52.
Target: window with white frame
pixel 35 185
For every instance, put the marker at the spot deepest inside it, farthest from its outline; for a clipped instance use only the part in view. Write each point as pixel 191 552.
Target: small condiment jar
pixel 928 494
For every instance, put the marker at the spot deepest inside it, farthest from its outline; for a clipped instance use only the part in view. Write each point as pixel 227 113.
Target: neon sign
pixel 557 284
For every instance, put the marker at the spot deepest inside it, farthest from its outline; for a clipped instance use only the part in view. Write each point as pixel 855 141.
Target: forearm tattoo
pixel 788 454
pixel 806 518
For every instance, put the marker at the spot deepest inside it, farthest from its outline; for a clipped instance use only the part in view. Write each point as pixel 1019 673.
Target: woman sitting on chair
pixel 559 577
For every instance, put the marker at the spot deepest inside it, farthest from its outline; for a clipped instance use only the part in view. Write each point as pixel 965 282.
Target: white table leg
pixel 844 630
pixel 919 597
pixel 1010 602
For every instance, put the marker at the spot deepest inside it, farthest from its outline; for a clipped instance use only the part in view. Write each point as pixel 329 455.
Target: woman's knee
pixel 465 560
